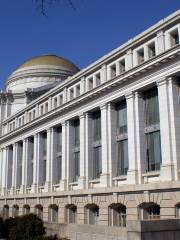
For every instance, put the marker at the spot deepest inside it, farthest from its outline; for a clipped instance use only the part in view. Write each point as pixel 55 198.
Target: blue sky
pixel 82 35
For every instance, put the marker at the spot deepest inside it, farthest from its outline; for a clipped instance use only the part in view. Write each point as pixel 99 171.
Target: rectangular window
pixel 71 93
pixel 44 143
pixel 121 118
pixel 59 168
pixel 151 107
pixel 46 107
pixel 59 139
pixel 97 168
pixel 77 90
pixel 34 114
pixel 122 165
pixel 174 38
pixel 98 79
pixel 113 71
pixel 151 50
pixel 60 99
pixel 97 126
pixel 122 66
pixel 90 83
pixel 140 56
pixel 41 110
pixel 55 102
pixel 76 133
pixel 153 149
pixel 76 165
pixel 76 149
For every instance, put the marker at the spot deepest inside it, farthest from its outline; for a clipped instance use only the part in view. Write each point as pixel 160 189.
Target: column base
pixel 34 188
pixel 12 191
pixel 81 182
pixel 132 176
pixel 104 179
pixel 47 187
pixel 22 189
pixel 167 172
pixel 63 185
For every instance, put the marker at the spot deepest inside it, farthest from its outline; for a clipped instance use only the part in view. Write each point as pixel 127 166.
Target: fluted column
pixel 82 177
pixel 4 171
pixel 132 171
pixel 36 162
pixel 49 159
pixel 14 169
pixel 24 165
pixel 140 136
pixel 104 178
pixel 63 182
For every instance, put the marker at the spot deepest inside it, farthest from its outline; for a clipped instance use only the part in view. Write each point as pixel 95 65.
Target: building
pixel 100 145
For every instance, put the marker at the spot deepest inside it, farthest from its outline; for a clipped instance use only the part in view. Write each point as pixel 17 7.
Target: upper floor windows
pixel 151 50
pixel 113 70
pixel 174 37
pixel 140 56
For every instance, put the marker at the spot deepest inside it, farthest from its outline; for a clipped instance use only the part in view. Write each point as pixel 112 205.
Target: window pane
pixel 76 133
pixel 122 118
pixel 151 108
pixel 59 168
pixel 97 168
pixel 153 151
pixel 97 126
pixel 122 164
pixel 76 165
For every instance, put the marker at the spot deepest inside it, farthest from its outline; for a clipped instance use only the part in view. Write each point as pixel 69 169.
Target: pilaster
pixel 103 73
pixel 160 42
pixel 48 165
pixel 14 169
pixel 24 166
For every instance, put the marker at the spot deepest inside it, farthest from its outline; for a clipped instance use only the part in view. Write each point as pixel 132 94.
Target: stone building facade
pixel 96 146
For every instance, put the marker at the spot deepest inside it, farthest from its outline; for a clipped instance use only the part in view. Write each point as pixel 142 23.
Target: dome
pixel 51 60
pixel 40 71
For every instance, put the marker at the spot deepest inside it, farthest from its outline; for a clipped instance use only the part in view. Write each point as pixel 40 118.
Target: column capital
pixel 104 66
pixel 129 95
pixel 161 81
pixel 48 130
pixel 82 115
pixel 138 94
pixel 63 123
pixel 103 106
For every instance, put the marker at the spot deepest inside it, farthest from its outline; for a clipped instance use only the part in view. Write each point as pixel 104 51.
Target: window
pixel 122 139
pixel 90 83
pixel 153 141
pixel 19 122
pixel 39 211
pixel 46 107
pixel 77 90
pixel 34 114
pixel 122 68
pixel 60 99
pixel 92 214
pixel 58 163
pixel 23 120
pixel 53 213
pixel 76 149
pixel 149 211
pixel 26 209
pixel 6 212
pixel 174 38
pixel 19 164
pixel 177 210
pixel 140 56
pixel 117 215
pixel 30 161
pixel 55 102
pixel 151 50
pixel 41 110
pixel 113 71
pixel 30 116
pixel 71 213
pixel 71 93
pixel 97 79
pixel 97 151
pixel 44 157
pixel 15 211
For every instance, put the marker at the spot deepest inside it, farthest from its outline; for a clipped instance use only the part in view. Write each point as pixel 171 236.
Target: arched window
pixel 92 214
pixel 39 211
pixel 26 209
pixel 15 211
pixel 6 211
pixel 71 213
pixel 53 213
pixel 149 211
pixel 117 215
pixel 177 210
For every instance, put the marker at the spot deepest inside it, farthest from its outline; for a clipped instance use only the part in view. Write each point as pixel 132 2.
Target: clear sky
pixel 82 35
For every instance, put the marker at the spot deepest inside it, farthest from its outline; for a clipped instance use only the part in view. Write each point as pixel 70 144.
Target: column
pixel 173 90
pixel 82 177
pixel 63 182
pixel 111 141
pixel 88 152
pixel 14 169
pixel 140 136
pixel 36 162
pixel 131 123
pixel 104 178
pixel 48 161
pixel 24 165
pixel 103 73
pixel 167 168
pixel 4 172
pixel 52 157
pixel 160 42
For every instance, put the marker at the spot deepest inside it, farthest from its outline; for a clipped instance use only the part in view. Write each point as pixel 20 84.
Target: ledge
pixel 151 174
pixel 120 178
